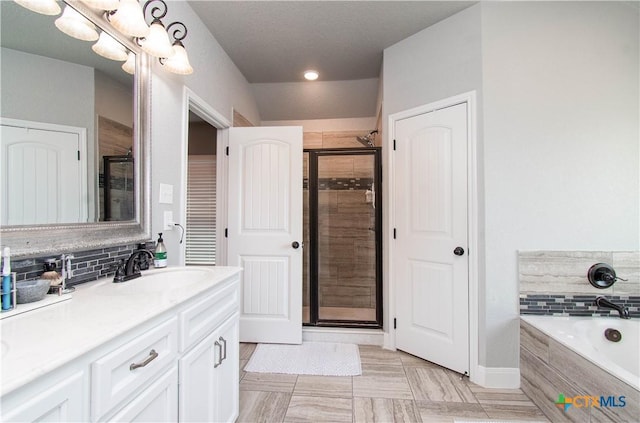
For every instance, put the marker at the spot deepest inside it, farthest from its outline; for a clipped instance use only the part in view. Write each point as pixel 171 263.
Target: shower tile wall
pixel 346 245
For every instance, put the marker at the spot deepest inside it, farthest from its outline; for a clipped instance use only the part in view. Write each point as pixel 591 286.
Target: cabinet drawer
pixel 199 320
pixel 120 374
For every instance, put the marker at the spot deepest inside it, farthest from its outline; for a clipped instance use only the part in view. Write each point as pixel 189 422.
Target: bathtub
pixel 585 336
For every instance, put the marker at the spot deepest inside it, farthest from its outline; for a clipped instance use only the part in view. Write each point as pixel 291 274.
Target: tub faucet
pixel 602 302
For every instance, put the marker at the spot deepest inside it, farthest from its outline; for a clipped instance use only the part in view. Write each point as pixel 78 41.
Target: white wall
pixel 114 100
pixel 561 133
pixel 558 133
pixel 317 99
pixel 218 82
pixel 319 125
pixel 41 89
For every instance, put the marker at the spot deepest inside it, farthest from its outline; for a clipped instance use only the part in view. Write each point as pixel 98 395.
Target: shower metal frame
pixel 314 283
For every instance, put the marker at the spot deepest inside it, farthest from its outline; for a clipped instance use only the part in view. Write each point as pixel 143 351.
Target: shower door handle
pixel 295 245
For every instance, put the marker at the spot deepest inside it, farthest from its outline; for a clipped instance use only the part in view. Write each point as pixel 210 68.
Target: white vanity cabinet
pixel 177 363
pixel 209 377
pixel 53 400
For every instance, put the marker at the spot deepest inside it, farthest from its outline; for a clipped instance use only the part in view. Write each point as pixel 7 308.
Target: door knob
pixel 459 251
pixel 295 244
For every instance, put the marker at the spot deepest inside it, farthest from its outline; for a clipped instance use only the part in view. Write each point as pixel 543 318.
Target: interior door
pixel 43 175
pixel 430 250
pixel 265 231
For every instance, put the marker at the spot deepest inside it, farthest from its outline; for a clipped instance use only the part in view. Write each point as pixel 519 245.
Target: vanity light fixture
pixel 102 4
pixel 130 65
pixel 157 43
pixel 129 19
pixel 179 62
pixel 109 48
pixel 311 75
pixel 75 25
pixel 45 7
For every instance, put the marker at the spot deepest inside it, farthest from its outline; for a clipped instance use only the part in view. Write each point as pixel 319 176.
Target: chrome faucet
pixel 602 302
pixel 67 273
pixel 131 269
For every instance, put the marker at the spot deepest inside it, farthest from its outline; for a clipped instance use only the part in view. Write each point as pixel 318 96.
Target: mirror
pixel 55 85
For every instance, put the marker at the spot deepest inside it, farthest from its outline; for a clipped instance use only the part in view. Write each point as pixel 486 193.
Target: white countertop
pixel 36 342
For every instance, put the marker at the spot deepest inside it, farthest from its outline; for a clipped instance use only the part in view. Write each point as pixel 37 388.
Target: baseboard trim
pixel 497 377
pixel 343 335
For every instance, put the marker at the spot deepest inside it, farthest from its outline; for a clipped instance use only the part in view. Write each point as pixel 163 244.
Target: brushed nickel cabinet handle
pixel 219 345
pixel 152 356
pixel 224 354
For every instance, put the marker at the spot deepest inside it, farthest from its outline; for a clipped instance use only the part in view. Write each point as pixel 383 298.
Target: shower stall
pixel 342 281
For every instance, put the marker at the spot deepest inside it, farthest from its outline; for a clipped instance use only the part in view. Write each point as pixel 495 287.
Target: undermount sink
pixel 159 280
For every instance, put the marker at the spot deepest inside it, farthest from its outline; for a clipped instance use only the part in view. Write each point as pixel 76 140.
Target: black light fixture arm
pixel 157 12
pixel 179 33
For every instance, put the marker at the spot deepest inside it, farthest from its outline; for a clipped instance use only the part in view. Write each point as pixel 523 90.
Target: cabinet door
pixel 196 396
pixel 226 381
pixel 157 403
pixel 209 386
pixel 59 403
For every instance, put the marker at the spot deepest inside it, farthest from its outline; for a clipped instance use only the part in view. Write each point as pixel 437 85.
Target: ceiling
pixel 274 42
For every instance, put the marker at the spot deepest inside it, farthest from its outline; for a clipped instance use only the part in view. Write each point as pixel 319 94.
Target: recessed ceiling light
pixel 311 75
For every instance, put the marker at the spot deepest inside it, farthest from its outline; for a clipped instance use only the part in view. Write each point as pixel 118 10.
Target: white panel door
pixel 42 177
pixel 265 230
pixel 430 258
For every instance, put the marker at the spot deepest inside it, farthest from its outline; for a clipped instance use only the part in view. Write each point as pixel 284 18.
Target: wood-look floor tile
pixel 514 412
pixel 242 364
pixel 246 350
pixel 382 387
pixel 372 354
pixel 386 370
pixel 324 386
pixel 438 385
pixel 259 407
pixel 268 382
pixel 372 410
pixel 406 411
pixel 319 409
pixel 449 411
pixel 409 360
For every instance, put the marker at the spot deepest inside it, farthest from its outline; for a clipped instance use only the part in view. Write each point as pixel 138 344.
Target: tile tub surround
pixel 394 387
pixel 548 368
pixel 561 272
pixel 86 266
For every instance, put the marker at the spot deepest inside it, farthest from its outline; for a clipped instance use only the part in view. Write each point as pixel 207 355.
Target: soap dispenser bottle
pixel 160 256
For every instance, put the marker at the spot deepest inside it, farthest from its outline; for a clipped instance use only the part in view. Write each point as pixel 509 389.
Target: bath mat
pixel 308 358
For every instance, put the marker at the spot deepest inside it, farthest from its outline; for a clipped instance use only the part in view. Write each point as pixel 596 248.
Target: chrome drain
pixel 613 335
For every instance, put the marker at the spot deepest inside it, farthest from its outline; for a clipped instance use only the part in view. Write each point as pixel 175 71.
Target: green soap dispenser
pixel 160 255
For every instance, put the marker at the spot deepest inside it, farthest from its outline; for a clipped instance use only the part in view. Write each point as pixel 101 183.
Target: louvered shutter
pixel 201 211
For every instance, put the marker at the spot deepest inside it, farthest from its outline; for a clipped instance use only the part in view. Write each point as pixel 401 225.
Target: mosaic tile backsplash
pixel 86 266
pixel 555 282
pixel 575 305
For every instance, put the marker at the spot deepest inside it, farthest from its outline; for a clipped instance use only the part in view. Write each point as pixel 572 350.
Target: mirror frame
pixel 34 240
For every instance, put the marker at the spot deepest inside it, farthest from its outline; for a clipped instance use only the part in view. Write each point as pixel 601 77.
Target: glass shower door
pixel 344 227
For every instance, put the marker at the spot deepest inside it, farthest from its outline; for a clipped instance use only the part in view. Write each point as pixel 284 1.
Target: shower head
pixel 367 140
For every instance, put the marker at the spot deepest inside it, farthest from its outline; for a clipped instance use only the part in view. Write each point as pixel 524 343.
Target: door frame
pixel 192 102
pixel 314 282
pixel 475 372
